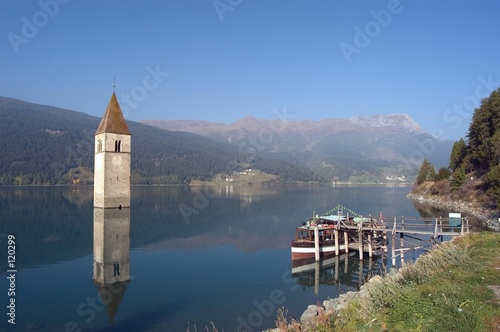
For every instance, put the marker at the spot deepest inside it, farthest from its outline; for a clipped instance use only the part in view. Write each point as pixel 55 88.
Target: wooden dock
pixel 414 234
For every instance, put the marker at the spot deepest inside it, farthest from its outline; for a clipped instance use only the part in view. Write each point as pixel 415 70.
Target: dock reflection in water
pixel 346 272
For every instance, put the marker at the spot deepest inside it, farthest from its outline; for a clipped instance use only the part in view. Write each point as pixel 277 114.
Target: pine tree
pixel 426 172
pixel 443 174
pixel 493 181
pixel 458 178
pixel 457 155
pixel 482 138
pixel 495 145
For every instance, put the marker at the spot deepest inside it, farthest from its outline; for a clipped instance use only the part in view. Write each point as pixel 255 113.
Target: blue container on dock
pixel 455 219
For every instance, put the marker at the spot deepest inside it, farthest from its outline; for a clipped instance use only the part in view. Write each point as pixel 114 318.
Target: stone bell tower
pixel 112 207
pixel 112 160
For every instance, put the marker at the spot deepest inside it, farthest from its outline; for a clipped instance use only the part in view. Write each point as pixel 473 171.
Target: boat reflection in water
pixel 111 256
pixel 346 272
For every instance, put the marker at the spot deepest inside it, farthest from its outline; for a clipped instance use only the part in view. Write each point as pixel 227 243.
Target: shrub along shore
pixel 454 287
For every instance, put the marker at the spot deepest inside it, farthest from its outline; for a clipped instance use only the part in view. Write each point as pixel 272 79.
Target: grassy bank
pixel 450 289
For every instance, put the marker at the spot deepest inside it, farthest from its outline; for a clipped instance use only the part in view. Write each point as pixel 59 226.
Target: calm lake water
pixel 196 256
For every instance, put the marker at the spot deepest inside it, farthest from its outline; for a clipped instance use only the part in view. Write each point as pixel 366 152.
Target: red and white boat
pixel 303 246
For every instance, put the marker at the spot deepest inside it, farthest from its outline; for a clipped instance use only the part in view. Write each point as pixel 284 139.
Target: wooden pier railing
pixel 372 236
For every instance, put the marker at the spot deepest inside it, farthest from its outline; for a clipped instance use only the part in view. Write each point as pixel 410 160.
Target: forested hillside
pixel 48 145
pixel 474 170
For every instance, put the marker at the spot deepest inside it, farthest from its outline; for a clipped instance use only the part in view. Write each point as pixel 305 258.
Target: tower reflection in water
pixel 111 256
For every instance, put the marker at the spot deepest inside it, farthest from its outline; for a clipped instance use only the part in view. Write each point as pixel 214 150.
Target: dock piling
pixel 336 234
pixel 360 238
pixel 346 242
pixel 393 244
pixel 434 235
pixel 370 247
pixel 316 243
pixel 402 240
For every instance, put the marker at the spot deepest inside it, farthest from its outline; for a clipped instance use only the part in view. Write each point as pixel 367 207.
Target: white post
pixel 370 249
pixel 393 244
pixel 337 249
pixel 436 229
pixel 360 238
pixel 402 240
pixel 346 242
pixel 316 243
pixel 385 242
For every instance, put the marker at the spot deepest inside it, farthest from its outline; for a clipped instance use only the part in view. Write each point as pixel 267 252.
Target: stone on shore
pixel 309 319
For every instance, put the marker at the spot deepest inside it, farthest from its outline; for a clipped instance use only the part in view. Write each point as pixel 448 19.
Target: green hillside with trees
pixel 45 145
pixel 474 170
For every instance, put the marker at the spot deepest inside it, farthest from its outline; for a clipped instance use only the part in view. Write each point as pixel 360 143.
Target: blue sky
pixel 221 60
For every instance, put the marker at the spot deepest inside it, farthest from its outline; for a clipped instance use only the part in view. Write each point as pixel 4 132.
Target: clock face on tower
pixel 117 160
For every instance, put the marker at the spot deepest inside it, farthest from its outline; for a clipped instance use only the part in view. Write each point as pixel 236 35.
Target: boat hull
pixel 305 249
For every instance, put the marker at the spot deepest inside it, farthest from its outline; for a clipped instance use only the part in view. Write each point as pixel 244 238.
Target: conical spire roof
pixel 113 120
pixel 111 296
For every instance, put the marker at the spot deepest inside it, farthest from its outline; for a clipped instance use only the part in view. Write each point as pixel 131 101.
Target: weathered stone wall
pixel 112 171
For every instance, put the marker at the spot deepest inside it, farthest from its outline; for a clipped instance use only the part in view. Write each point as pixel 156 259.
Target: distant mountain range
pixel 49 145
pixel 370 148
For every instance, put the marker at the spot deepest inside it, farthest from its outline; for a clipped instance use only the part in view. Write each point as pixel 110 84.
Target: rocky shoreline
pixel 488 217
pixel 314 312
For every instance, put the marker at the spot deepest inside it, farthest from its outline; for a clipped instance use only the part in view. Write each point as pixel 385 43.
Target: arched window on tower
pixel 99 145
pixel 118 146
